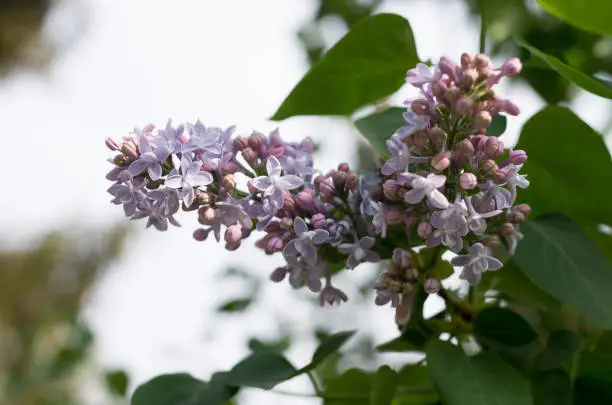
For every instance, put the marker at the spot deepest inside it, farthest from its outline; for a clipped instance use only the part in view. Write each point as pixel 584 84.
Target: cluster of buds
pixel 446 184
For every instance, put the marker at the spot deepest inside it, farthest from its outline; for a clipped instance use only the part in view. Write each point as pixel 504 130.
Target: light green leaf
pixel 481 380
pixel 590 15
pixel 582 80
pixel 353 387
pixel 378 128
pixel 368 63
pixel 172 389
pixel 563 176
pixel 442 270
pixel 503 327
pixel 385 383
pixel 559 258
pixel 236 305
pixel 117 382
pixel 261 369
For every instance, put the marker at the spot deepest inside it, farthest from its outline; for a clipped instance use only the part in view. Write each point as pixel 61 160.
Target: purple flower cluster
pixel 446 184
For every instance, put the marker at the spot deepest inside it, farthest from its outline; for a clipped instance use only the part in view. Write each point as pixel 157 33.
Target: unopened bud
pixel 278 274
pixel 464 105
pixel 518 157
pixel 200 234
pixel 420 139
pixel 233 234
pixel 491 241
pixel 339 178
pixel 206 215
pixel 305 200
pixel 441 161
pixel 448 67
pixel 202 198
pixel 255 142
pixel 288 202
pixel 402 258
pixel 113 144
pixel 249 155
pixel 490 167
pixel 494 147
pixel 286 223
pixel 318 221
pixel 275 244
pixel 390 188
pixel 482 120
pixel 431 285
pixel 240 143
pixel 453 94
pixel 395 217
pixel 482 62
pixel 424 229
pixel 251 187
pixel 229 182
pixel 438 89
pixel 130 149
pixel 524 209
pixel 437 136
pixel 344 167
pixel 420 106
pixel 467 61
pixel 499 177
pixel 468 181
pixel 229 168
pixel 506 229
pixel 516 217
pixel 352 181
pixel 512 67
pixel 468 78
pixel 507 106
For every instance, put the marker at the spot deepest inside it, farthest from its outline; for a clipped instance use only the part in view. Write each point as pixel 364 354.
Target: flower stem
pixel 483 26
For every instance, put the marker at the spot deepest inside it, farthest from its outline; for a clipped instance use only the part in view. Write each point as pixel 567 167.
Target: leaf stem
pixel 315 384
pixel 483 26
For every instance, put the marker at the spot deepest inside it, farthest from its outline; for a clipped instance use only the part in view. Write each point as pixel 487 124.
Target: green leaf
pixel 582 80
pixel 503 327
pixel 353 387
pixel 498 125
pixel 558 257
pixel 552 388
pixel 415 386
pixel 261 370
pixel 328 346
pixel 481 380
pixel 565 177
pixel 385 383
pixel 368 63
pixel 590 15
pixel 117 382
pixel 398 345
pixel 173 389
pixel 562 345
pixel 443 269
pixel 236 305
pixel 378 128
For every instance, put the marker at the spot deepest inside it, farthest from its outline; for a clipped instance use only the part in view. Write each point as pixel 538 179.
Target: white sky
pixel 226 62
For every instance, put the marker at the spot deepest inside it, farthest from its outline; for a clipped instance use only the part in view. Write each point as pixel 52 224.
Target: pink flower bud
pixel 490 167
pixel 206 215
pixel 249 155
pixel 468 78
pixel 275 244
pixel 402 258
pixel 424 229
pixel 233 234
pixel 431 285
pixel 524 209
pixel 240 143
pixel 202 197
pixel 289 202
pixel 255 142
pixel 467 61
pixel 130 149
pixel 491 241
pixel 518 157
pixel 468 181
pixel 339 178
pixel 113 144
pixel 229 182
pixel 476 140
pixel 344 167
pixel 448 67
pixel 390 188
pixel 441 161
pixel 229 168
pixel 437 136
pixel 278 274
pixel 512 67
pixel 464 105
pixel 452 95
pixel 482 120
pixel 506 229
pixel 482 62
pixel 466 147
pixel 499 177
pixel 420 106
pixel 200 234
pixel 494 147
pixel 438 89
pixel 304 200
pixel 276 150
pixel 507 106
pixel 286 223
pixel 352 181
pixel 318 221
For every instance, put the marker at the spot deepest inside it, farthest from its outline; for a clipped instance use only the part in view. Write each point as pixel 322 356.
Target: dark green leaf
pixel 173 389
pixel 498 125
pixel 356 71
pixel 562 345
pixel 378 128
pixel 385 383
pixel 327 347
pixel 565 177
pixel 552 388
pixel 590 15
pixel 262 370
pixel 276 346
pixel 582 80
pixel 353 387
pixel 503 327
pixel 117 382
pixel 558 257
pixel 482 380
pixel 592 391
pixel 415 386
pixel 237 305
pixel 398 345
pixel 443 269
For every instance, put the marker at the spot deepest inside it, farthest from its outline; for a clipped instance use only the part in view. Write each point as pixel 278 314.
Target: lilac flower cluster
pixel 447 184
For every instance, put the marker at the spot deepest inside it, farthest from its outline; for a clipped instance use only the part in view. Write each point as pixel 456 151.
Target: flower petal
pixel 262 183
pixel 437 199
pixel 137 167
pixel 461 260
pixel 415 196
pixel 436 180
pixel 493 263
pixel 202 179
pixel 175 181
pixel 155 171
pixel 346 248
pixel 289 182
pixel 273 167
pixel 320 236
pixel 299 226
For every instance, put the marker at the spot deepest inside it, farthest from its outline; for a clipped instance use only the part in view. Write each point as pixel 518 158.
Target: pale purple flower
pixel 367 184
pixel 495 197
pixel 425 187
pixel 169 197
pixel 191 177
pixel 149 159
pixel 304 242
pixel 264 212
pixel 155 214
pixel 400 157
pixel 331 295
pixel 203 138
pixel 302 272
pixel 475 263
pixel 514 179
pixel 234 211
pixel 169 138
pixel 476 221
pixel 380 219
pixel 422 74
pixel 414 122
pixel 299 165
pixel 273 184
pixel 337 230
pixel 359 252
pixel 384 296
pixel 513 239
pixel 127 192
pixel 451 225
